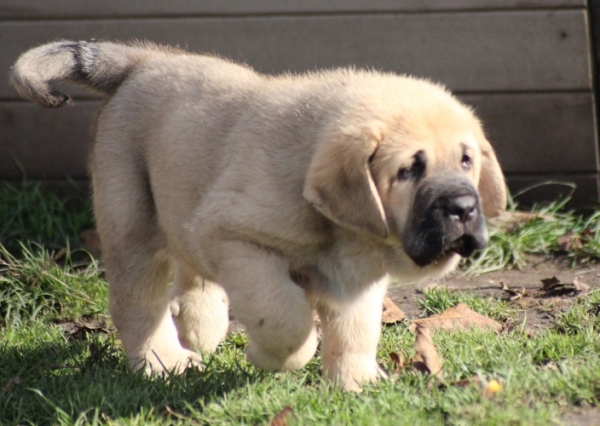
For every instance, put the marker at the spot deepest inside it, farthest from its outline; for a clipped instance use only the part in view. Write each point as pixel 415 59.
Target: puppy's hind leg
pixel 137 267
pixel 200 310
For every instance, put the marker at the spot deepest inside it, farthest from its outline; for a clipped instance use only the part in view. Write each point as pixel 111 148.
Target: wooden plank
pixel 45 144
pixel 535 134
pixel 540 133
pixel 39 9
pixel 546 188
pixel 525 51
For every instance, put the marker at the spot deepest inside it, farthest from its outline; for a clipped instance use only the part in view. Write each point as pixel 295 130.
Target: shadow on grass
pixel 88 377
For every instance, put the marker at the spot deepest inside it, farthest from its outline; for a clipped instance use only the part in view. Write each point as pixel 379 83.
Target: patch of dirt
pixel 525 286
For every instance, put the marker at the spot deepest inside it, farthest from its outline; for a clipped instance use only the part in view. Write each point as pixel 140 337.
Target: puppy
pixel 276 195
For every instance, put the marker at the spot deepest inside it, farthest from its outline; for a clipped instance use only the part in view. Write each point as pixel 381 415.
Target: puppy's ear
pixel 339 182
pixel 492 187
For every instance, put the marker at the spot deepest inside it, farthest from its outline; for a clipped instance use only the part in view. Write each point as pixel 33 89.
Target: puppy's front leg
pixel 274 310
pixel 351 332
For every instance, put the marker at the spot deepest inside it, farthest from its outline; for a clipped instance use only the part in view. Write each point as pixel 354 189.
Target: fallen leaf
pixel 391 313
pixel 282 418
pixel 475 380
pixel 427 358
pixel 549 283
pixel 514 294
pixel 397 362
pixel 552 287
pixel 492 388
pixel 511 220
pixel 459 316
pixel 81 328
pixel 10 384
pixel 580 287
pixel 569 242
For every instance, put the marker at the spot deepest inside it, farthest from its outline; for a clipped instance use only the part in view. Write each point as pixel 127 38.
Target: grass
pixel 549 229
pixel 52 375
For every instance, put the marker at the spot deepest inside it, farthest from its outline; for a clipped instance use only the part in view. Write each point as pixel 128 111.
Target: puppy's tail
pixel 100 66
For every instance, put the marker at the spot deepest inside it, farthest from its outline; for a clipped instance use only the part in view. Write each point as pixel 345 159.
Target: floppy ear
pixel 339 183
pixel 492 187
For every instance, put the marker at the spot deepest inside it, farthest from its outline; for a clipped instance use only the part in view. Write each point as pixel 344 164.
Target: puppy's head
pixel 412 168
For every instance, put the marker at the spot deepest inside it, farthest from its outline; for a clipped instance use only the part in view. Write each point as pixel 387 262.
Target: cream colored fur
pixel 279 189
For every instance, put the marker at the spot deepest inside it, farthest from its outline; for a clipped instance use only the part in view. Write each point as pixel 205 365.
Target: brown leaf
pixel 564 242
pixel 282 418
pixel 549 283
pixel 552 287
pixel 10 384
pixel 427 358
pixel 459 316
pixel 468 381
pixel 391 313
pixel 511 220
pixel 514 294
pixel 580 287
pixel 397 362
pixel 91 242
pixel 81 328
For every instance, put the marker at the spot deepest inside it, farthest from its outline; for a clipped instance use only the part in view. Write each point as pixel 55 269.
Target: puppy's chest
pixel 333 278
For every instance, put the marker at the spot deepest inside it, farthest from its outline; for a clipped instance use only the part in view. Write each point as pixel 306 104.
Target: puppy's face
pixel 427 178
pixel 421 180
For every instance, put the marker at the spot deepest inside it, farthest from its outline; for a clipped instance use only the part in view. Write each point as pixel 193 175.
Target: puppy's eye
pixel 466 162
pixel 415 171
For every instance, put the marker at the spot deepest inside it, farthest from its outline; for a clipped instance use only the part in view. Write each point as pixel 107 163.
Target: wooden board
pixel 45 143
pixel 495 51
pixel 546 188
pixel 36 9
pixel 535 134
pixel 540 133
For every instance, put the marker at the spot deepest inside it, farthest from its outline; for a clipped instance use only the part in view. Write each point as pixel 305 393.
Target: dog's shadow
pixel 90 375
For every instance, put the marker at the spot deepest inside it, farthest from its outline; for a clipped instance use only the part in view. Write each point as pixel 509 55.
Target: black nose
pixel 462 208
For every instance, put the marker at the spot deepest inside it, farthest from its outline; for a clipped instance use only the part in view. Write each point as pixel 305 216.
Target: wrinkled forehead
pixel 438 143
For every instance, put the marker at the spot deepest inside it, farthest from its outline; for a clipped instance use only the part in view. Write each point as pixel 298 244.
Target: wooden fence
pixel 526 67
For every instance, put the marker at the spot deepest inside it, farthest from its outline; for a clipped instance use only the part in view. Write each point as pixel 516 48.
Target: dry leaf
pixel 397 362
pixel 459 316
pixel 427 358
pixel 510 220
pixel 552 287
pixel 282 418
pixel 569 242
pixel 514 294
pixel 10 384
pixel 81 328
pixel 492 388
pixel 468 381
pixel 580 287
pixel 550 283
pixel 391 313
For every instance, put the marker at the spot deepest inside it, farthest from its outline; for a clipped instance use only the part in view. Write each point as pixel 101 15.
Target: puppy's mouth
pixel 464 246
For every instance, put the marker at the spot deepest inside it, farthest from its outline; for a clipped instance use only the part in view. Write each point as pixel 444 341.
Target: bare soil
pixel 535 305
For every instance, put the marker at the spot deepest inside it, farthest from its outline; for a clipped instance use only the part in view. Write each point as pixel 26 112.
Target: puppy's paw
pixel 282 358
pixel 350 373
pixel 200 327
pixel 166 361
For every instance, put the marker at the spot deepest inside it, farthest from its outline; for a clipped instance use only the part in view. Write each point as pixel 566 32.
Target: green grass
pixel 81 378
pixel 540 235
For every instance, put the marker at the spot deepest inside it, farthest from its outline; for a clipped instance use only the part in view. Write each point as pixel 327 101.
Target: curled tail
pixel 100 66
